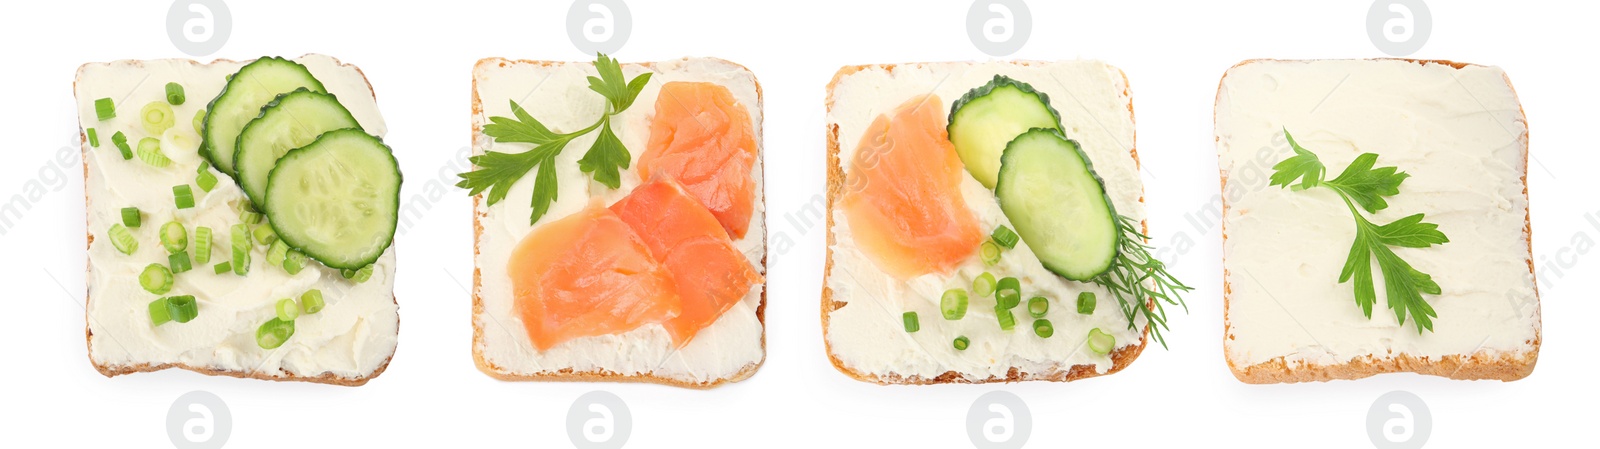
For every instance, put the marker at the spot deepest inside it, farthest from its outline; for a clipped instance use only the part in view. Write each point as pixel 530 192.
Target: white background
pixel 419 59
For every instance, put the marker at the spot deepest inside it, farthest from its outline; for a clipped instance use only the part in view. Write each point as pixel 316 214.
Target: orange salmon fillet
pixel 902 194
pixel 703 138
pixel 585 275
pixel 710 273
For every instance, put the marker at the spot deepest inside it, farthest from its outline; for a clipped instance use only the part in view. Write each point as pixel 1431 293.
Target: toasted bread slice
pixel 500 348
pixel 1472 182
pixel 348 343
pixel 1097 110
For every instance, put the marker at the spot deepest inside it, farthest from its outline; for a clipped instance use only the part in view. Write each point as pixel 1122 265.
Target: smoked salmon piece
pixel 710 272
pixel 902 194
pixel 703 138
pixel 585 275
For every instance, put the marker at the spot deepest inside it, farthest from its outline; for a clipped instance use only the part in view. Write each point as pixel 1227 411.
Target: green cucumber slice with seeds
pixel 984 120
pixel 337 200
pixel 291 121
pixel 248 90
pixel 1047 187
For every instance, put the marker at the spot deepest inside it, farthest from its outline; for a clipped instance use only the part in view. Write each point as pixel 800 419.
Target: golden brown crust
pixel 118 370
pixel 1121 358
pixel 569 375
pixel 1482 365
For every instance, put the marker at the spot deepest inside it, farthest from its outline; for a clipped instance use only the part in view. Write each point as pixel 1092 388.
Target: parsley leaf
pixel 1411 232
pixel 1362 184
pixel 523 129
pixel 1367 185
pixel 1304 164
pixel 605 159
pixel 618 92
pixel 496 172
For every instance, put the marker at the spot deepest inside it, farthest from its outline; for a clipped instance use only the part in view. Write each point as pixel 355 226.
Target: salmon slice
pixel 704 139
pixel 585 275
pixel 903 194
pixel 710 272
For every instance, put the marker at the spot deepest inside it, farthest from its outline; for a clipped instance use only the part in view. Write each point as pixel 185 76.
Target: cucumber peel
pixel 241 100
pixel 336 200
pixel 1048 189
pixel 290 121
pixel 986 119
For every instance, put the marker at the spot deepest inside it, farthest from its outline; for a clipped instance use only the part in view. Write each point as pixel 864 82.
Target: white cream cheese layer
pixel 867 333
pixel 351 338
pixel 1461 136
pixel 558 95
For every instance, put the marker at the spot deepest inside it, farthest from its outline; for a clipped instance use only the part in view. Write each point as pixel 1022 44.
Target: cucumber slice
pixel 1049 191
pixel 337 199
pixel 984 120
pixel 291 121
pixel 241 100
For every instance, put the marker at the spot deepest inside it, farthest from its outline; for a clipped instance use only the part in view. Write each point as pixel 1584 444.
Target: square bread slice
pixel 862 305
pixel 347 343
pixel 1459 131
pixel 558 95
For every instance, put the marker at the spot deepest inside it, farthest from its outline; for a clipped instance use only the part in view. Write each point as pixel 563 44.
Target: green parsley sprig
pixel 497 172
pixel 1362 184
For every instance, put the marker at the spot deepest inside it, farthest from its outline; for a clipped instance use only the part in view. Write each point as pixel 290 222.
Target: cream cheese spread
pixel 351 338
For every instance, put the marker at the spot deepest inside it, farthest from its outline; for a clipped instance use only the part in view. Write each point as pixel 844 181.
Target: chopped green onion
pixel 174 237
pixel 294 262
pixel 121 142
pixel 953 305
pixel 156 118
pixel 990 253
pixel 179 262
pixel 105 109
pixel 1043 328
pixel 156 278
pixel 983 286
pixel 202 245
pixel 264 235
pixel 175 94
pixel 961 343
pixel 183 196
pixel 288 310
pixel 122 239
pixel 1005 237
pixel 274 333
pixel 205 179
pixel 130 217
pixel 249 217
pixel 912 325
pixel 199 121
pixel 150 152
pixel 241 250
pixel 182 309
pixel 1038 306
pixel 1086 303
pixel 311 301
pixel 222 268
pixel 362 274
pixel 94 138
pixel 1007 320
pixel 1008 293
pixel 347 273
pixel 276 253
pixel 1100 342
pixel 158 312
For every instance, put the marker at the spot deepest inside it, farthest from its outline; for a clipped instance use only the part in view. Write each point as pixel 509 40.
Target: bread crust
pixel 570 375
pixel 118 370
pixel 1482 365
pixel 1061 372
